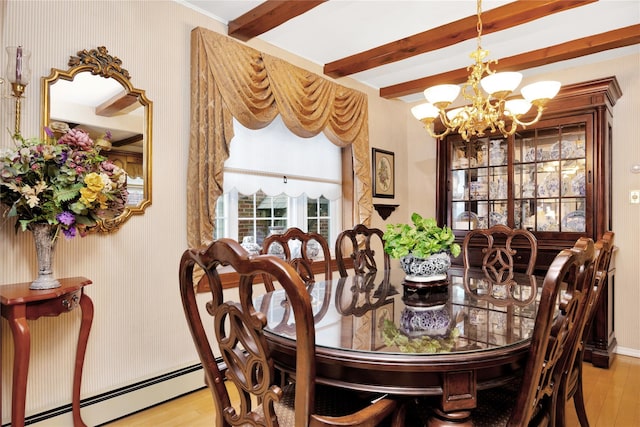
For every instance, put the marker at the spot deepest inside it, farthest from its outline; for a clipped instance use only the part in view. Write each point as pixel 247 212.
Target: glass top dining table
pixel 380 333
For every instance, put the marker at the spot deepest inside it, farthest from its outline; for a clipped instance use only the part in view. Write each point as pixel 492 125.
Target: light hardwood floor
pixel 612 397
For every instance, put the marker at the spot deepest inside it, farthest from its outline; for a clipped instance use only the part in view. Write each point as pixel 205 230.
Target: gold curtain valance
pixel 230 79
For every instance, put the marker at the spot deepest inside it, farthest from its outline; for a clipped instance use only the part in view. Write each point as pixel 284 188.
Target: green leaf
pixel 423 238
pixel 61 194
pixel 424 344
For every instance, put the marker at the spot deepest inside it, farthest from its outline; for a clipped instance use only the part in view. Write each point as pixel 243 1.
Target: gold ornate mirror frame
pixel 130 100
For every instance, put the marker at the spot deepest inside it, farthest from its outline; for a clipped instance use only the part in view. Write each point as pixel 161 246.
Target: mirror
pixel 95 94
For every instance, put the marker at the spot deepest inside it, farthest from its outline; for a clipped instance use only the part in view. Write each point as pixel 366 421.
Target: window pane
pixel 264 205
pixel 280 204
pixel 262 230
pixel 324 229
pixel 220 219
pixel 312 208
pixel 324 207
pixel 245 229
pixel 245 206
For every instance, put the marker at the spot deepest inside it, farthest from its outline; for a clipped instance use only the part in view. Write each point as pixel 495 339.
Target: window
pixel 275 180
pixel 259 215
pixel 318 219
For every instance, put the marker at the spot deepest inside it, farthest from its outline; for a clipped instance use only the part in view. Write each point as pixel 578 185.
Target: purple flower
pixel 69 233
pixel 63 157
pixel 66 218
pixel 48 131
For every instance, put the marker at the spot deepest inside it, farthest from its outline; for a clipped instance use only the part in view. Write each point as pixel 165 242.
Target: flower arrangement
pixel 421 239
pixel 63 181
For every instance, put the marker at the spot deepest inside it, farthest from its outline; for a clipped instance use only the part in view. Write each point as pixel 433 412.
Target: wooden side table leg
pixel 22 349
pixel 86 306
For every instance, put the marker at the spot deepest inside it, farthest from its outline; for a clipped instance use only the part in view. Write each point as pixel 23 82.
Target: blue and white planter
pixel 428 269
pixel 434 321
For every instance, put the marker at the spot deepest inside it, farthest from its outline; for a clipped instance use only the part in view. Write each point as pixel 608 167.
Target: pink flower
pixel 107 166
pixel 77 138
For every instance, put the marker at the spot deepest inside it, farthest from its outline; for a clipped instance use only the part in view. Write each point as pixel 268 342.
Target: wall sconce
pixel 18 74
pixel 635 168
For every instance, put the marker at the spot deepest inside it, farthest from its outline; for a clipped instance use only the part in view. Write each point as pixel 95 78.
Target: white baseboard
pixel 627 351
pixel 118 403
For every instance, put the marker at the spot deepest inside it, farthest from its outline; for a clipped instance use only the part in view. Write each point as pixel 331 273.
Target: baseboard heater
pixel 118 403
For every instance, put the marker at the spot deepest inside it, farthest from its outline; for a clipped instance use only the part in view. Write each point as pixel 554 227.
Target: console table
pixel 19 304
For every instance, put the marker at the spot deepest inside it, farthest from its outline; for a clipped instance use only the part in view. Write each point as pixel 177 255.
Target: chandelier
pixel 493 112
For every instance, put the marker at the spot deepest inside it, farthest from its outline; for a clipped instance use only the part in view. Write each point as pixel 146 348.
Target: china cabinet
pixel 552 178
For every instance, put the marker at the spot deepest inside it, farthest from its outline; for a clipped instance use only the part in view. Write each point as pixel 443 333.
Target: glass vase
pixel 44 237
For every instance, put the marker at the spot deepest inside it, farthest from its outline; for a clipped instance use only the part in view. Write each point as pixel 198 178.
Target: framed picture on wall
pixel 383 173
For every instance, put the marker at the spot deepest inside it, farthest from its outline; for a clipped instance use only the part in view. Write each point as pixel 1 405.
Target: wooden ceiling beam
pixel 267 16
pixel 116 104
pixel 622 37
pixel 500 18
pixel 126 141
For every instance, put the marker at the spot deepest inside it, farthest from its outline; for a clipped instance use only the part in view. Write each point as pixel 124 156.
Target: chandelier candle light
pixel 492 112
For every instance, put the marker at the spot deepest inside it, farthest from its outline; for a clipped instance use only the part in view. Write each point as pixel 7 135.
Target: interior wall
pixel 139 329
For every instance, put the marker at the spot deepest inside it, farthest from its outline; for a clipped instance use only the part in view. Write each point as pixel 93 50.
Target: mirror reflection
pixel 96 95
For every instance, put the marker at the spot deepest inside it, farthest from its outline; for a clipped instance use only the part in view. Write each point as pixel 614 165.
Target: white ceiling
pixel 77 100
pixel 339 28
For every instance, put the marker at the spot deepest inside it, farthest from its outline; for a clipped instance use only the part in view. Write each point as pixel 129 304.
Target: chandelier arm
pixel 445 120
pixel 437 136
pixel 525 124
pixel 511 131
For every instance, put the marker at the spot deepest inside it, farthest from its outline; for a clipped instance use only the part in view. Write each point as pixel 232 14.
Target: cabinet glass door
pixel 479 183
pixel 549 179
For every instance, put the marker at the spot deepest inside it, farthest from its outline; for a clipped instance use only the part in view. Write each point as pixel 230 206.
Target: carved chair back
pixel 571 384
pixel 362 242
pixel 242 346
pixel 302 250
pixel 564 297
pixel 500 245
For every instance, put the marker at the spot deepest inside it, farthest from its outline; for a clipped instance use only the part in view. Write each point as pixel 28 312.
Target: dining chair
pixel 361 243
pixel 242 353
pixel 571 384
pixel 564 296
pixel 504 250
pixel 302 250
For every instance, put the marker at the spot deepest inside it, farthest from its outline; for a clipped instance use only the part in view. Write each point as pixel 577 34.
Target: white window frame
pixel 296 216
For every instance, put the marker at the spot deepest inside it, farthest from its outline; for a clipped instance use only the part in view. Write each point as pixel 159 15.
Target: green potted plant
pixel 424 248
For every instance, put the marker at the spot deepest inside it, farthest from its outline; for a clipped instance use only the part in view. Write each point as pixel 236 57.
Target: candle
pixel 19 65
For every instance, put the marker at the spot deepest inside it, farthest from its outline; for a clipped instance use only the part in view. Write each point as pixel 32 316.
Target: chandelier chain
pixel 479 24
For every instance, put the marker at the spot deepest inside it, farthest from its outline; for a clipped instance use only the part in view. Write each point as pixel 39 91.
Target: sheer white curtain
pixel 276 161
